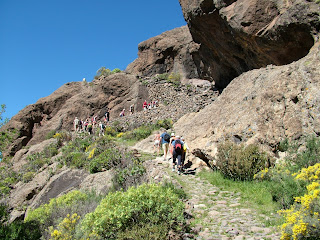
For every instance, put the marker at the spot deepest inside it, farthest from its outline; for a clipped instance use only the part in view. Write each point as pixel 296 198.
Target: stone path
pixel 215 214
pixel 218 215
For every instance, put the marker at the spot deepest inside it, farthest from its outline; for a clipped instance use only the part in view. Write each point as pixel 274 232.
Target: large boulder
pixel 240 35
pixel 264 106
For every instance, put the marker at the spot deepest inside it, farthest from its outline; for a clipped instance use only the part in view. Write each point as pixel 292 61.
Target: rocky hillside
pixel 265 106
pixel 249 73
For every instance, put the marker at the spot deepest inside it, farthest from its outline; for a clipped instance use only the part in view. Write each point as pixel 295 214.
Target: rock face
pixel 81 99
pixel 172 51
pixel 239 35
pixel 264 106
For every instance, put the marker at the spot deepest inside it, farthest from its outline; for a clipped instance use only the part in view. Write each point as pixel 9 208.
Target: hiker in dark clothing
pixel 177 154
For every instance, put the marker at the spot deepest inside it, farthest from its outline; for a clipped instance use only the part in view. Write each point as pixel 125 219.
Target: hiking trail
pixel 215 214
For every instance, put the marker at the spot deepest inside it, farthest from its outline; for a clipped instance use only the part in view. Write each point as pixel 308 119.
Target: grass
pixel 255 194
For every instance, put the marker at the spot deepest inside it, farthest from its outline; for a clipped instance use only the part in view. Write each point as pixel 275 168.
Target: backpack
pixel 166 137
pixel 178 147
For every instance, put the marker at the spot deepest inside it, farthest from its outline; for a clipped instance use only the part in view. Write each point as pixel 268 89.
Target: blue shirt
pixel 162 138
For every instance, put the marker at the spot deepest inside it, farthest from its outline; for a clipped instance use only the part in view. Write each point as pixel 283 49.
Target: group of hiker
pixel 91 124
pixel 173 145
pixel 153 104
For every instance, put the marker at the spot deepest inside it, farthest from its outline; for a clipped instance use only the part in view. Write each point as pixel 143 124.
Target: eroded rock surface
pixel 264 106
pixel 240 35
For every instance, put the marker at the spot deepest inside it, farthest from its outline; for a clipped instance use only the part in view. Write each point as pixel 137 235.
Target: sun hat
pixel 172 134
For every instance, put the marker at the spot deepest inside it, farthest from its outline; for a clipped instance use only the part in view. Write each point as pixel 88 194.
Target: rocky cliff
pixel 240 35
pixel 264 106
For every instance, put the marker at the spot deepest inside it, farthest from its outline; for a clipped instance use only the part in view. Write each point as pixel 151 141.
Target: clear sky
pixel 47 43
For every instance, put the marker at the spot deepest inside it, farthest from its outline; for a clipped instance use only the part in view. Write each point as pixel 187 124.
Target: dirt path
pixel 216 214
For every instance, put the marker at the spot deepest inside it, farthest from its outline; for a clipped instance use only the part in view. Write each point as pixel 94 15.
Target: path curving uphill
pixel 214 214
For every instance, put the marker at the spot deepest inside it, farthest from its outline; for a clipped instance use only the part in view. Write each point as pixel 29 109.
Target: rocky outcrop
pixel 81 99
pixel 264 106
pixel 171 51
pixel 240 35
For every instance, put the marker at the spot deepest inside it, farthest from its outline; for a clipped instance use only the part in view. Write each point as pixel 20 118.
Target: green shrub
pixel 145 231
pixel 28 176
pixel 309 157
pixel 163 76
pixel 106 160
pixel 35 162
pixel 51 150
pixel 283 145
pixel 8 178
pixel 174 78
pixel 75 159
pixel 165 123
pixel 240 162
pixel 51 134
pixel 110 131
pixel 73 202
pixel 18 229
pixel 147 204
pixel 284 188
pixel 128 176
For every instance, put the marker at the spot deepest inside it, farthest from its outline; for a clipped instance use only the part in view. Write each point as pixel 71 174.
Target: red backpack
pixel 178 146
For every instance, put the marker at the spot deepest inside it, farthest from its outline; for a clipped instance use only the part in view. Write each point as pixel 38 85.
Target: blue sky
pixel 47 43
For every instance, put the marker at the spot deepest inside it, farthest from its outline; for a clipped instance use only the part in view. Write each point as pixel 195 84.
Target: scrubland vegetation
pixel 286 191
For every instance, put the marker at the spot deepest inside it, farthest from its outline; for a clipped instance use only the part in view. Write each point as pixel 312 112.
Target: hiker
pixel 85 125
pixel 102 127
pixel 122 113
pixel 177 154
pixel 89 127
pixel 172 138
pixel 165 139
pixel 184 152
pixel 156 143
pixel 94 120
pixel 131 109
pixel 145 105
pixel 107 116
pixel 76 124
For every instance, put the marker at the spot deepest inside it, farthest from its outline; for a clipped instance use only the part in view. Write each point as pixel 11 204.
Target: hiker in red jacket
pixel 145 105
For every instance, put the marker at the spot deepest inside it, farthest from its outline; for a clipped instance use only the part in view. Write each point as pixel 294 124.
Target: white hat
pixel 172 134
pixel 178 137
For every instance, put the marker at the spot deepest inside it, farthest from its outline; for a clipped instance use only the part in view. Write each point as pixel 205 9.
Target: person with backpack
pixel 177 154
pixel 165 139
pixel 89 128
pixel 184 152
pixel 102 128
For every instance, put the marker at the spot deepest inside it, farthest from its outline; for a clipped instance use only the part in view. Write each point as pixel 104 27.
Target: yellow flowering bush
pixel 309 174
pixel 264 174
pixel 66 228
pixel 91 154
pixel 119 135
pixel 302 220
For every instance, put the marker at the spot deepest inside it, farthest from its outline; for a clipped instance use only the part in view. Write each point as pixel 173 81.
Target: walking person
pixel 102 128
pixel 165 139
pixel 156 144
pixel 177 154
pixel 107 115
pixel 172 138
pixel 76 124
pixel 131 109
pixel 122 113
pixel 184 152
